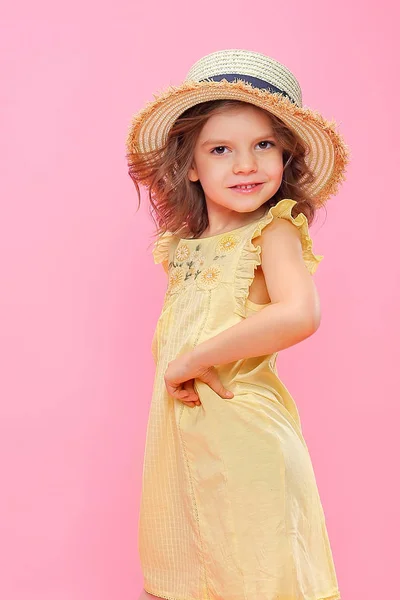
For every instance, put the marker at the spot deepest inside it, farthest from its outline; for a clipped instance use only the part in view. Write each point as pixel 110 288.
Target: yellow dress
pixel 230 508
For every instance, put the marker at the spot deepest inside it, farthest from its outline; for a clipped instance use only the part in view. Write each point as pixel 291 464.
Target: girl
pixel 236 169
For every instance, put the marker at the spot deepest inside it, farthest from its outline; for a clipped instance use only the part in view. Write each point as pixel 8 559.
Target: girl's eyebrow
pixel 220 142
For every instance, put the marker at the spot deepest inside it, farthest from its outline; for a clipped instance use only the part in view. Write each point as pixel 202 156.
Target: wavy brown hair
pixel 177 204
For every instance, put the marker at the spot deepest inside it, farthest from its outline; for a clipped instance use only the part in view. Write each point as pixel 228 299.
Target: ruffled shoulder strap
pixel 161 249
pixel 250 256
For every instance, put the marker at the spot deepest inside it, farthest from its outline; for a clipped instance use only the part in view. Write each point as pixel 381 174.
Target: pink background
pixel 80 294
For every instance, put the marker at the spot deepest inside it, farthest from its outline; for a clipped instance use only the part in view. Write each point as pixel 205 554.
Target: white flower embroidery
pixel 182 252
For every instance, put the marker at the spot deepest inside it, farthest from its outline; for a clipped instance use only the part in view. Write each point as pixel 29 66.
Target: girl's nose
pixel 245 164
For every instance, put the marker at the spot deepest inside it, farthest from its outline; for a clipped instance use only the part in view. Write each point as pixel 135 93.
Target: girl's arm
pixel 294 312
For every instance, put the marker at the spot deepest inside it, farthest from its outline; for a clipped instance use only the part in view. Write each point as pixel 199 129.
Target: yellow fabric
pixel 230 508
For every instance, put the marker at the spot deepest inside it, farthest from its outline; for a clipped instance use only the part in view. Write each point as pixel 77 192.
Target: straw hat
pixel 260 80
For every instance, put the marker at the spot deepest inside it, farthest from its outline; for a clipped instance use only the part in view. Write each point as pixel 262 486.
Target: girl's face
pixel 237 147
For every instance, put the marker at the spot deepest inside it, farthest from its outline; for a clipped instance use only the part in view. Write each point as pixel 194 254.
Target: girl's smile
pixel 247 189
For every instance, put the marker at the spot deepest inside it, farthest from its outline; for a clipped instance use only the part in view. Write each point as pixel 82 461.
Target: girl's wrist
pixel 198 359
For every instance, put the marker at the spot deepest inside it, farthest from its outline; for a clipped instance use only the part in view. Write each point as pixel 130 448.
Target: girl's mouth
pixel 247 189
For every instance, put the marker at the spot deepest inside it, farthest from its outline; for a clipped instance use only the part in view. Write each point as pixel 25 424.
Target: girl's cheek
pixel 276 168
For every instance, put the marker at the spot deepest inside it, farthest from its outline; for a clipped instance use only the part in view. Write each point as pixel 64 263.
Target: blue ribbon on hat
pixel 255 82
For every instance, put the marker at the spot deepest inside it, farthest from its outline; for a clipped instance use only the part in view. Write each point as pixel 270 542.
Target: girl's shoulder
pixel 162 247
pixel 283 210
pixel 250 256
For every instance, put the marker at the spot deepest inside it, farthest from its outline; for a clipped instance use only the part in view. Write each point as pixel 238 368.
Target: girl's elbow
pixel 311 321
pixel 308 317
pixel 311 311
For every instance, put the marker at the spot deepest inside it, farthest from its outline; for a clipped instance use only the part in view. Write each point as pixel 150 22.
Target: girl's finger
pixel 189 402
pixel 176 391
pixel 187 395
pixel 193 398
pixel 189 386
pixel 215 384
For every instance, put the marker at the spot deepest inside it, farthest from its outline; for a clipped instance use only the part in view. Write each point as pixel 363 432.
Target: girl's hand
pixel 179 380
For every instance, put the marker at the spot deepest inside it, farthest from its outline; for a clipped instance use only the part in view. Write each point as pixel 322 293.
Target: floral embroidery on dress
pixel 190 264
pixel 227 243
pixel 198 259
pixel 186 264
pixel 176 279
pixel 182 252
pixel 209 277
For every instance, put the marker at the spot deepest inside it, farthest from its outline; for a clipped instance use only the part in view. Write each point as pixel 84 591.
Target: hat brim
pixel 328 154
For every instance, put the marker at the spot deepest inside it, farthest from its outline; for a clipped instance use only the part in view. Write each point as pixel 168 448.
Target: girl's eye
pixel 217 148
pixel 221 153
pixel 267 142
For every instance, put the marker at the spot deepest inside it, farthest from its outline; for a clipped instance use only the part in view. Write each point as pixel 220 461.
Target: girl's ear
pixel 192 173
